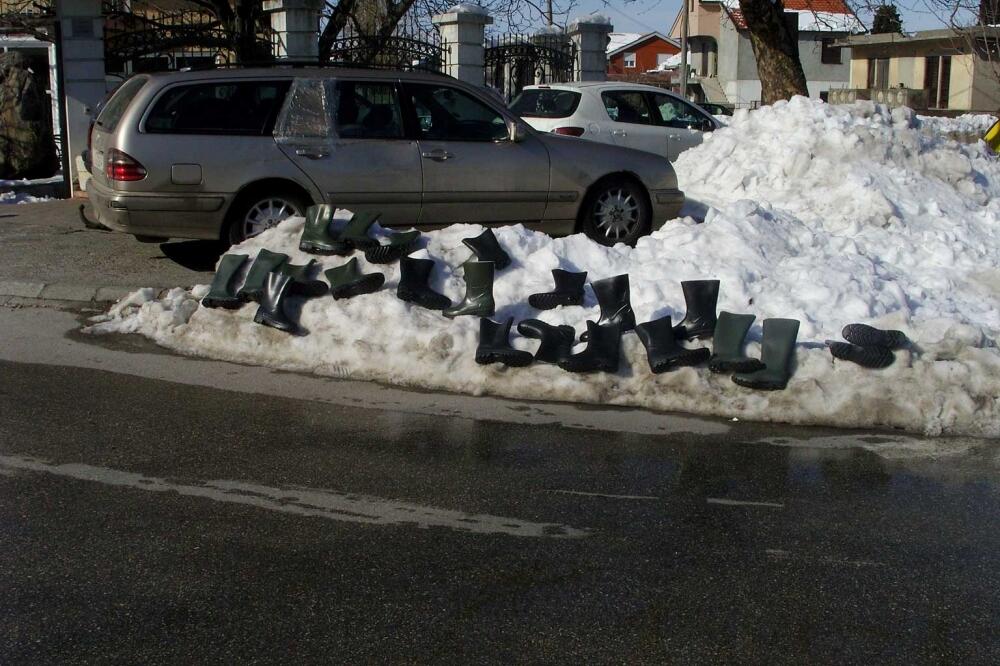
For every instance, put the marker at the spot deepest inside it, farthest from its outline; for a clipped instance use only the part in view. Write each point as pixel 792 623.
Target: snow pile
pixel 827 214
pixel 20 198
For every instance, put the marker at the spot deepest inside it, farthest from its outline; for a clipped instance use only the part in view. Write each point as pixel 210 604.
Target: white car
pixel 624 114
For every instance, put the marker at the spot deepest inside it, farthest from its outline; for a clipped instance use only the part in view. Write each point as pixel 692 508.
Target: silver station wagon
pixel 229 153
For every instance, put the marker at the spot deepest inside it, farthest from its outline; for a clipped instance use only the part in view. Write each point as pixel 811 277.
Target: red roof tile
pixel 828 6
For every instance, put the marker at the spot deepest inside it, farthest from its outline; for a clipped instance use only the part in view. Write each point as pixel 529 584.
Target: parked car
pixel 622 114
pixel 229 153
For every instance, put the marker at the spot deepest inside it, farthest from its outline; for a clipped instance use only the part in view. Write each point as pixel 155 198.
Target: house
pixel 631 53
pixel 722 64
pixel 934 69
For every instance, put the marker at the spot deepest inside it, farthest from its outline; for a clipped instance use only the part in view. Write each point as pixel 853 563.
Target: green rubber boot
pixel 347 280
pixel 478 299
pixel 265 263
pixel 355 232
pixel 222 294
pixel 302 282
pixel 316 236
pixel 777 351
pixel 398 246
pixel 727 344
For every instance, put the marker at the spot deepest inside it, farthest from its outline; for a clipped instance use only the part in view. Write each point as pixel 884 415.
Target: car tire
pixel 268 207
pixel 616 210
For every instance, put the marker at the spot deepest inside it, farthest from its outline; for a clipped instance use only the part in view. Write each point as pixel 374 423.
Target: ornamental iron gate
pixel 515 61
pixel 410 46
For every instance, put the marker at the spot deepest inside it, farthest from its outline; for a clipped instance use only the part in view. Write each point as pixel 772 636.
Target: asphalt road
pixel 155 509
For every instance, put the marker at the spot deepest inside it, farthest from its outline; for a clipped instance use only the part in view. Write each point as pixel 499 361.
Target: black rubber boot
pixel 486 247
pixel 302 282
pixel 398 246
pixel 316 235
pixel 494 345
pixel 777 351
pixel 866 357
pixel 222 293
pixel 265 262
pixel 603 352
pixel 272 311
pixel 478 299
pixel 355 232
pixel 662 349
pixel 727 344
pixel 556 341
pixel 568 291
pixel 413 287
pixel 347 280
pixel 869 336
pixel 616 306
pixel 701 298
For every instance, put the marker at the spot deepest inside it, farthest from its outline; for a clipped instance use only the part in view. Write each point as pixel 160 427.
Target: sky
pixel 649 15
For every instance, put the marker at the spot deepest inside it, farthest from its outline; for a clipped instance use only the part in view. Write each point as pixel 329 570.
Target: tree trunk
pixel 776 48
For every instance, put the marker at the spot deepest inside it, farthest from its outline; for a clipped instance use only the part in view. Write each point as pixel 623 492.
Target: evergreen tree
pixel 887 19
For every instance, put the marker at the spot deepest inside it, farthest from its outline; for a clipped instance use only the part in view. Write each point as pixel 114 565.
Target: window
pixel 829 54
pixel 937 81
pixel 546 103
pixel 627 107
pixel 662 59
pixel 115 108
pixel 630 60
pixel 368 111
pixel 230 107
pixel 878 73
pixel 677 113
pixel 448 114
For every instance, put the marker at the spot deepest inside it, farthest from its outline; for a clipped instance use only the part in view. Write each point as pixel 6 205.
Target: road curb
pixel 63 292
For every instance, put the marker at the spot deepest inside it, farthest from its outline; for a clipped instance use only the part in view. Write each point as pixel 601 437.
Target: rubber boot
pixel 727 344
pixel 478 299
pixel 777 351
pixel 701 298
pixel 494 345
pixel 867 357
pixel 603 352
pixel 265 262
pixel 486 247
pixel 556 341
pixel 272 311
pixel 355 232
pixel 347 280
pixel 613 296
pixel 316 236
pixel 413 287
pixel 302 283
pixel 399 245
pixel 568 291
pixel 863 335
pixel 662 350
pixel 222 293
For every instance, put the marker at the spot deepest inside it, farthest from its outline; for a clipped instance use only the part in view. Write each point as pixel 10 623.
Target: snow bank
pixel 973 125
pixel 829 214
pixel 20 198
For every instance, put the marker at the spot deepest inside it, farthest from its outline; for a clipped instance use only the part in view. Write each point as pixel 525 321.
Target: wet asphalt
pixel 698 548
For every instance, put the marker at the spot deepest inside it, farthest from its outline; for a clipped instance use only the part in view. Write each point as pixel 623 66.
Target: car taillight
pixel 123 167
pixel 569 131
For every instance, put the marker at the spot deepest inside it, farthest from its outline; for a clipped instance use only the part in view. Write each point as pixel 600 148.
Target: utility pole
pixel 548 14
pixel 684 49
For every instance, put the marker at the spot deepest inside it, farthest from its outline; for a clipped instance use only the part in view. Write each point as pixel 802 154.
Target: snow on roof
pixel 623 40
pixel 814 15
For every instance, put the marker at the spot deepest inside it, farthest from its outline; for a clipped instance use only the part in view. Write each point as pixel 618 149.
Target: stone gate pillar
pixel 296 26
pixel 462 29
pixel 81 49
pixel 590 35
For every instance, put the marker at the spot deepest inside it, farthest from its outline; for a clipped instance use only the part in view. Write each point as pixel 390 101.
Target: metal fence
pixel 515 61
pixel 411 45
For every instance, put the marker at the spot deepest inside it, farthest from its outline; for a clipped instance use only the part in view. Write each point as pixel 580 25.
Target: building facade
pixel 635 53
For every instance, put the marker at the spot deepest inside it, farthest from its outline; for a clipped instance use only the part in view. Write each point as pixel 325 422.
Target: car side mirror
pixel 518 131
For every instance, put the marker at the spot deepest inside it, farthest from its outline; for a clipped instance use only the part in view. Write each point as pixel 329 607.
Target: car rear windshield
pixel 113 111
pixel 545 103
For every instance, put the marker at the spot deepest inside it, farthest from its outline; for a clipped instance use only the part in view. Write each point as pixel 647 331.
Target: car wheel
pixel 255 214
pixel 616 211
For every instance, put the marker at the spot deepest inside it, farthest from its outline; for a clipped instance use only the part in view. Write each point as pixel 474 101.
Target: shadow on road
pixel 195 255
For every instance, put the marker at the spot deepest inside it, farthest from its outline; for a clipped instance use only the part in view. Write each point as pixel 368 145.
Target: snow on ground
pixel 967 124
pixel 828 214
pixel 20 198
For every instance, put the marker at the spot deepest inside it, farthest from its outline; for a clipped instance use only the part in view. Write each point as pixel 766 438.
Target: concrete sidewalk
pixel 46 252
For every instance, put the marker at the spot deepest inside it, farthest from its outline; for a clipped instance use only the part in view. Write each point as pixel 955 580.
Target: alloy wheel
pixel 266 214
pixel 616 213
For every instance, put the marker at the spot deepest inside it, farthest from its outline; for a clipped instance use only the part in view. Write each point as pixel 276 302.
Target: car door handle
pixel 437 155
pixel 310 153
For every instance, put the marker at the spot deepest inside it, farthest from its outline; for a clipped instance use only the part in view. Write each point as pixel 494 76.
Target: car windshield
pixel 545 103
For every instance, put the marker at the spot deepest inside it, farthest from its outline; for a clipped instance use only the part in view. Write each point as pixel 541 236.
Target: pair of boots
pixel 318 238
pixel 494 345
pixel 773 369
pixel 663 350
pixel 867 346
pixel 601 354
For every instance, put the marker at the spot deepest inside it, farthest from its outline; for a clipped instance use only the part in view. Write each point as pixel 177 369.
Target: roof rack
pixel 293 63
